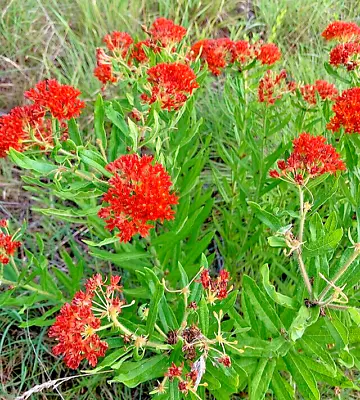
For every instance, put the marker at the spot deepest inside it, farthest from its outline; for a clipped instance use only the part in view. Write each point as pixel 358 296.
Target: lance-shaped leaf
pixel 133 373
pixel 203 316
pixel 74 132
pixel 323 244
pixel 153 309
pixel 278 298
pixel 312 347
pixel 302 376
pixel 26 162
pixel 260 381
pixel 281 387
pixel 99 116
pixel 265 216
pixel 304 318
pixel 262 307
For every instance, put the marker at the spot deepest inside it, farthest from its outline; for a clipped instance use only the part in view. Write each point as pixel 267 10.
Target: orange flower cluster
pixel 60 100
pixel 104 70
pixel 347 112
pixel 341 31
pixel 166 33
pixel 8 245
pixel 171 85
pixel 76 327
pixel 139 192
pixel 311 157
pixel 273 86
pixel 346 54
pixel 325 90
pixel 29 126
pixel 118 42
pixel 215 52
pixel 219 53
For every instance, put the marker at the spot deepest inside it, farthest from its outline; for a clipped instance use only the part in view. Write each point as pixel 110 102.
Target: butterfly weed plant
pixel 169 314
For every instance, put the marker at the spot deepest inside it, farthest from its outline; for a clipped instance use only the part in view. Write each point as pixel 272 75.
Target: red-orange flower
pixel 25 127
pixel 273 86
pixel 225 360
pixel 166 32
pixel 347 54
pixel 76 327
pixel 311 157
pixel 171 85
pixel 342 31
pixel 174 371
pixel 347 112
pixel 60 100
pixel 138 52
pixel 217 53
pixel 139 195
pixel 104 70
pixel 8 246
pixel 326 91
pixel 75 330
pixel 242 52
pixel 268 54
pixel 119 42
pixel 217 288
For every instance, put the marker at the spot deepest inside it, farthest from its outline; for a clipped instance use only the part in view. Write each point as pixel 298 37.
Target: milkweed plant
pixel 164 304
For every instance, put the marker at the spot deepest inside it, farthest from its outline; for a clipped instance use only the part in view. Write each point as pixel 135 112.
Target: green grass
pixel 47 38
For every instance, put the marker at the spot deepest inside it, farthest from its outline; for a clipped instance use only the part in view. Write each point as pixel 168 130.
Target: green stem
pixel 300 238
pixel 157 327
pixel 128 332
pixel 14 266
pixel 351 259
pixel 28 287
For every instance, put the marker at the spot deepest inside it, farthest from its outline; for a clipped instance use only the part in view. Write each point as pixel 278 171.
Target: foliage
pixel 290 326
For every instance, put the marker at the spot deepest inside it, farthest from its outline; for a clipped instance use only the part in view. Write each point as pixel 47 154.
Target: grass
pixel 47 38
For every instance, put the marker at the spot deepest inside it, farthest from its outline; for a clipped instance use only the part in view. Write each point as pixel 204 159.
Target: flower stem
pixel 128 332
pixel 298 251
pixel 344 268
pixel 28 287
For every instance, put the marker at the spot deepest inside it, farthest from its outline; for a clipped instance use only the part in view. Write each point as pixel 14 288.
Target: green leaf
pixel 77 216
pixel 276 241
pixel 278 298
pixel 265 216
pixel 99 115
pixel 304 318
pixel 203 316
pixel 95 161
pixel 335 74
pixel 153 309
pixel 262 307
pixel 74 133
pixel 122 259
pixel 184 280
pixel 102 243
pixel 111 358
pixel 259 384
pixel 282 389
pixel 303 377
pixel 337 329
pixel 117 119
pixel 323 244
pixel 312 347
pixel 134 373
pixel 26 162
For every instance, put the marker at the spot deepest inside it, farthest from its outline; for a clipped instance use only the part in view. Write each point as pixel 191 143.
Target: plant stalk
pixel 350 260
pixel 298 251
pixel 128 332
